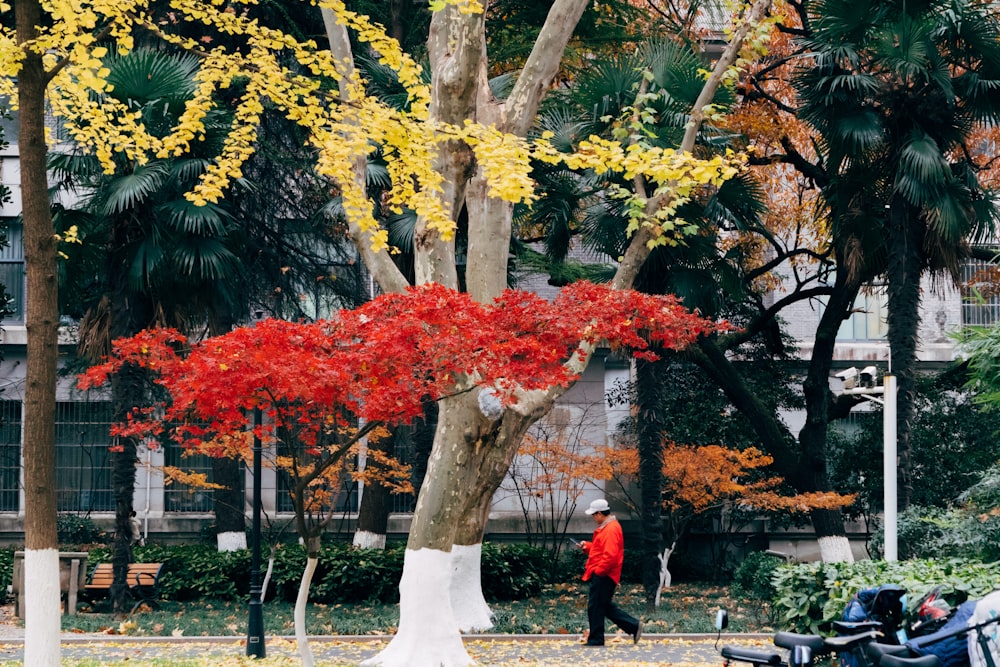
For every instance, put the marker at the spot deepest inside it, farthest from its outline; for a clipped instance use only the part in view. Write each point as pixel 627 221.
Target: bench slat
pixel 142 579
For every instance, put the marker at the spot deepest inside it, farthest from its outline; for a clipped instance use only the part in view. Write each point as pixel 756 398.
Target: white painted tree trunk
pixel 467 600
pixel 469 455
pixel 835 549
pixel 426 635
pixel 234 540
pixel 364 539
pixel 42 613
pixel 301 637
pixel 267 576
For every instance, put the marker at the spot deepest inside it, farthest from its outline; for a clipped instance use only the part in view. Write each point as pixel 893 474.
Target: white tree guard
pixel 467 601
pixel 835 549
pixel 364 539
pixel 665 576
pixel 42 612
pixel 233 540
pixel 428 634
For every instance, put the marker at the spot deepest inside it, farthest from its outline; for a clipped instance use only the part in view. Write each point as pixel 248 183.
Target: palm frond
pixel 146 75
pixel 204 259
pixel 187 217
pixel 128 191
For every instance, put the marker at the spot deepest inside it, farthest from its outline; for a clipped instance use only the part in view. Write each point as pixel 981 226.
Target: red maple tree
pixel 375 365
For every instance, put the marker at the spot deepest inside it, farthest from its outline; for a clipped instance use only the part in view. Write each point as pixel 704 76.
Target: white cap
pixel 599 505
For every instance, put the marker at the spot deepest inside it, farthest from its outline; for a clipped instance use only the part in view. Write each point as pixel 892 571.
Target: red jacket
pixel 607 551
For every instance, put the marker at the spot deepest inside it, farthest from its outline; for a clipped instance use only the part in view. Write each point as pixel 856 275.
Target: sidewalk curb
pixel 140 639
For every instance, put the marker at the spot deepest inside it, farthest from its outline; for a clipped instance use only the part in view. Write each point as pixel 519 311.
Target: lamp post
pixel 255 623
pixel 863 384
pixel 889 466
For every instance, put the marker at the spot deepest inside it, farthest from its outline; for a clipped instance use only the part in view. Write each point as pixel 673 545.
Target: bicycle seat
pixel 900 661
pixel 848 642
pixel 789 640
pixel 744 654
pixel 876 651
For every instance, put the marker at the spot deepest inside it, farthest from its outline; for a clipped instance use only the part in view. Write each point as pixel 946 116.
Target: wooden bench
pixel 143 583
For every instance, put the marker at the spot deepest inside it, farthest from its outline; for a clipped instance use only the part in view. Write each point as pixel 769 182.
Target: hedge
pixel 343 573
pixel 809 596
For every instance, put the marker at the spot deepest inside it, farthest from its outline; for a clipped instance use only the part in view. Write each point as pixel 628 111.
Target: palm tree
pixel 149 256
pixel 895 90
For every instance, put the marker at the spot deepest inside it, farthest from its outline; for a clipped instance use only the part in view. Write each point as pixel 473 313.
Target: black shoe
pixel 638 633
pixel 594 644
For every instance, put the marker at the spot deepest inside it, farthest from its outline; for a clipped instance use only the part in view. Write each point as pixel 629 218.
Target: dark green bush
pixel 343 573
pixel 78 529
pixel 6 569
pixel 513 571
pixel 752 579
pixel 347 574
pixel 191 571
pixel 809 596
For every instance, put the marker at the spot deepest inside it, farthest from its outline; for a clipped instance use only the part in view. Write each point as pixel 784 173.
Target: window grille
pixel 10 455
pixel 404 503
pixel 12 270
pixel 83 457
pixel 345 499
pixel 978 309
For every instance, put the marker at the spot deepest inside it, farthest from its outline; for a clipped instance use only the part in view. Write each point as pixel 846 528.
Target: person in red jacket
pixel 605 554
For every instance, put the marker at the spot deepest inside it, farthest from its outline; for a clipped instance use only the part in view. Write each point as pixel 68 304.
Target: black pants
pixel 600 606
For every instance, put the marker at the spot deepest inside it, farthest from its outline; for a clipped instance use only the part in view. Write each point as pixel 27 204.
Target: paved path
pixel 486 650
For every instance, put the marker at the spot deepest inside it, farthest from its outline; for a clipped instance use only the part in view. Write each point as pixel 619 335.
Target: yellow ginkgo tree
pixel 454 151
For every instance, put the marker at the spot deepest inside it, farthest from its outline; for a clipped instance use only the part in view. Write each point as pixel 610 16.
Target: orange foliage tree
pixel 732 484
pixel 554 467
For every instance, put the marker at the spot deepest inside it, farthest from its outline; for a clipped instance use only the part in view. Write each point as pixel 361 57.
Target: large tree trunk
pixel 130 313
pixel 466 467
pixel 828 524
pixel 470 458
pixel 650 376
pixel 41 551
pixel 228 501
pixel 229 504
pixel 906 235
pixel 373 515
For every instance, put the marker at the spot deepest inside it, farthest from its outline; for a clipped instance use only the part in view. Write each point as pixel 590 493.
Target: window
pixel 83 457
pixel 344 493
pixel 869 319
pixel 979 306
pixel 12 270
pixel 178 497
pixel 10 455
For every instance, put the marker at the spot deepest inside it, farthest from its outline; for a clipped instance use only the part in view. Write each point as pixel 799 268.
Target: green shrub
pixel 752 579
pixel 343 573
pixel 569 567
pixel 513 571
pixel 78 529
pixel 347 574
pixel 809 596
pixel 6 569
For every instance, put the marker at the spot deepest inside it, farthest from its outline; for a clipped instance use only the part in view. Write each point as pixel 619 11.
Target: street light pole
pixel 889 465
pixel 255 623
pixel 869 391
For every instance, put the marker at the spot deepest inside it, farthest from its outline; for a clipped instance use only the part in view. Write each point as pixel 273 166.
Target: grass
pixel 561 609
